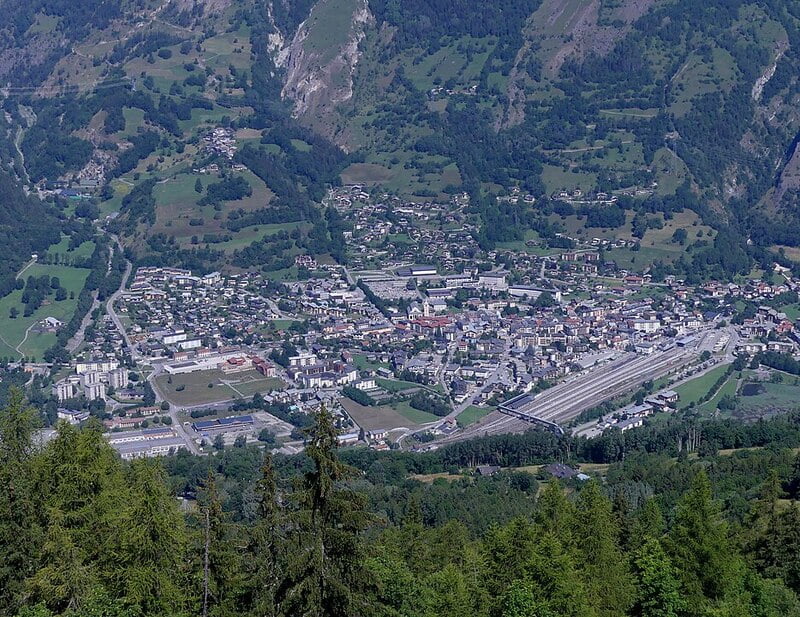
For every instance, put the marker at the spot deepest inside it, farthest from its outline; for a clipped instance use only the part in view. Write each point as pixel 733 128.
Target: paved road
pixel 27 265
pixel 77 338
pixel 115 296
pixel 184 433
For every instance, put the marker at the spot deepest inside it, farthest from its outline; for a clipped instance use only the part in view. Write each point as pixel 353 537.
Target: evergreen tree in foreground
pixel 84 534
pixel 326 576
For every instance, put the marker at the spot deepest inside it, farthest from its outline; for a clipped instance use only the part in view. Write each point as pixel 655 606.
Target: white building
pixel 63 390
pixel 648 326
pixel 95 391
pixel 118 378
pixel 193 343
pixel 493 280
pixel 303 359
pixel 176 336
pixel 101 366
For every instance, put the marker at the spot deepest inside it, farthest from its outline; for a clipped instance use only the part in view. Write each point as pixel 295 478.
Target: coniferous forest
pixel 83 533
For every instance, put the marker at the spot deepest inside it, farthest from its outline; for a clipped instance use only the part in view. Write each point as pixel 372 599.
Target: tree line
pixel 85 533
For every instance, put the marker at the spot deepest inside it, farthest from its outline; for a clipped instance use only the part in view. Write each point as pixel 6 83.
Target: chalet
pixel 487 470
pixel 561 471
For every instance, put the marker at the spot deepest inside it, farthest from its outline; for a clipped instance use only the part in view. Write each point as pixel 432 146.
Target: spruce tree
pixel 555 513
pixel 699 546
pixel 764 528
pixel 20 524
pixel 65 580
pixel 150 548
pixel 265 551
pixel 648 523
pixel 326 574
pixel 658 591
pixel 220 565
pixel 554 580
pixel 604 564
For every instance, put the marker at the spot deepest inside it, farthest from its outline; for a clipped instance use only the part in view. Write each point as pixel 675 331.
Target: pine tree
pixel 699 546
pixel 65 580
pixel 649 523
pixel 555 513
pixel 520 601
pixel 149 551
pixel 20 525
pixel 508 548
pixel 554 580
pixel 80 477
pixel 219 560
pixel 326 577
pixel 793 487
pixel 264 554
pixel 604 564
pixel 783 559
pixel 764 527
pixel 658 588
pixel 449 594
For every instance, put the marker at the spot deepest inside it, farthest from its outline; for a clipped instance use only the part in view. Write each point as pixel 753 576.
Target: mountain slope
pixel 666 104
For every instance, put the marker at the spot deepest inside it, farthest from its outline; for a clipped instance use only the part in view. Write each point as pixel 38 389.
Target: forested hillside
pixel 27 226
pixel 670 106
pixel 85 534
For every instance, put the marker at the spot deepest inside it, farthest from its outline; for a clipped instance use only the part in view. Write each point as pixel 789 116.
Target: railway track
pixel 569 399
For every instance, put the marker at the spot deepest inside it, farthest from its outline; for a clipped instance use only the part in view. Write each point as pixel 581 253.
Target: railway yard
pixel 565 401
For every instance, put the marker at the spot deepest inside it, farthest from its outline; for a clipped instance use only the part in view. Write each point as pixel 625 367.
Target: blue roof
pixel 199 426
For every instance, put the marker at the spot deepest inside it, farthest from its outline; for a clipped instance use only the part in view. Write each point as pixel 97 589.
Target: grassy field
pixel 62 248
pixel 784 396
pixel 389 170
pixel 692 391
pixel 727 389
pixel 448 62
pixel 698 77
pixel 556 179
pixel 43 23
pixel 283 324
pixel 376 418
pixel 392 385
pixel 251 382
pixel 196 390
pixel 472 414
pixel 16 335
pixel 366 173
pixel 362 363
pixel 632 112
pixel 134 120
pixel 670 171
pixel 247 235
pixel 414 415
pixel 179 214
pixel 656 244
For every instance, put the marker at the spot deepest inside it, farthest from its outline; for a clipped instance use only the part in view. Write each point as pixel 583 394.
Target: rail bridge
pixel 516 406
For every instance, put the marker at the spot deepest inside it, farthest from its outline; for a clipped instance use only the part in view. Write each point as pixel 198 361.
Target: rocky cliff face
pixel 320 61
